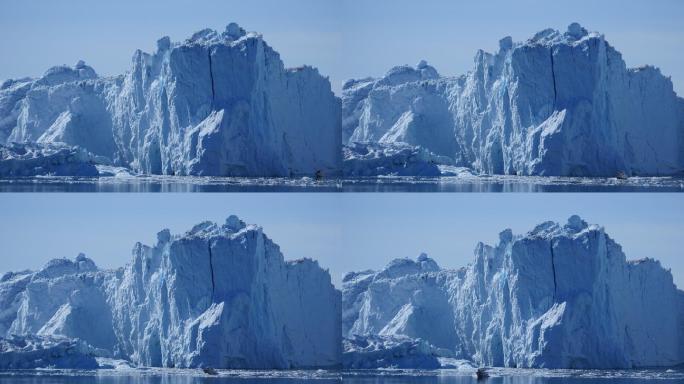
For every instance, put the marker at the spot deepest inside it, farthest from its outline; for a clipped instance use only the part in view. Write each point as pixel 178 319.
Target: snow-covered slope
pixel 219 103
pixel 219 296
pixel 560 103
pixel 560 296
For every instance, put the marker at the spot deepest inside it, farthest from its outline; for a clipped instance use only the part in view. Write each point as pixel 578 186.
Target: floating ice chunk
pixel 390 159
pixel 31 352
pixel 372 352
pixel 23 160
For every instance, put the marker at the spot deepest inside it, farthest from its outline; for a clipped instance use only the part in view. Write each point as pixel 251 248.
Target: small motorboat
pixel 481 374
pixel 210 371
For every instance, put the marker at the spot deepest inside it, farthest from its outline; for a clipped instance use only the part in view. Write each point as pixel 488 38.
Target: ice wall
pixel 218 103
pixel 560 296
pixel 218 296
pixel 560 103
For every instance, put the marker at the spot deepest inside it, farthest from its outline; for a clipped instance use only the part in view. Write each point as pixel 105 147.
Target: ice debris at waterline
pixel 560 103
pixel 33 159
pixel 373 159
pixel 398 351
pixel 560 296
pixel 29 352
pixel 219 103
pixel 219 296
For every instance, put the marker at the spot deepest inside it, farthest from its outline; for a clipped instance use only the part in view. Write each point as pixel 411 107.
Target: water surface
pixel 498 376
pixel 496 183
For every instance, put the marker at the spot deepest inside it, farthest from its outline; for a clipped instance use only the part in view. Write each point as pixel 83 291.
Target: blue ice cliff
pixel 220 103
pixel 560 103
pixel 218 296
pixel 222 296
pixel 559 296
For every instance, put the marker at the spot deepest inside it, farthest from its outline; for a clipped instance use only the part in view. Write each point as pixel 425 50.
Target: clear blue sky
pixel 343 38
pixel 343 231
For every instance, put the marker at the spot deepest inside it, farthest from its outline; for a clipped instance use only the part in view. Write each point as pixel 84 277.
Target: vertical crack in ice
pixel 553 268
pixel 211 77
pixel 553 77
pixel 211 269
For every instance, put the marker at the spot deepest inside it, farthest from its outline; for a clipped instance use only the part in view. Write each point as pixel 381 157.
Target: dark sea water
pixel 376 184
pixel 498 376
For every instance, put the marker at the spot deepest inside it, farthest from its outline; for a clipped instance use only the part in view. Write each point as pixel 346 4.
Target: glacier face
pixel 219 295
pixel 560 296
pixel 560 103
pixel 219 103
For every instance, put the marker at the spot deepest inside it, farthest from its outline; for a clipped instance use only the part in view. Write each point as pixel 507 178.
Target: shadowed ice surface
pixel 496 183
pixel 191 376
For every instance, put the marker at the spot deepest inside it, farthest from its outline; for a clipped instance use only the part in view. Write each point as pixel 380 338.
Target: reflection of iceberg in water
pixel 461 183
pixel 517 376
pixel 497 376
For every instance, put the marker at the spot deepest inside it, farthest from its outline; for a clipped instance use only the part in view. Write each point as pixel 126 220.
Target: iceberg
pixel 220 103
pixel 219 296
pixel 558 104
pixel 559 296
